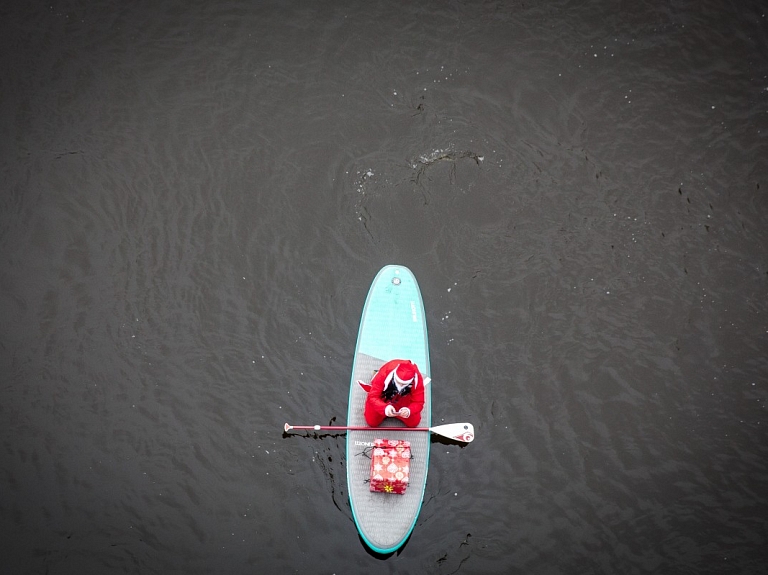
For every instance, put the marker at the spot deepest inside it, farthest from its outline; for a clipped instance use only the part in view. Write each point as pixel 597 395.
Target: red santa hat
pixel 405 373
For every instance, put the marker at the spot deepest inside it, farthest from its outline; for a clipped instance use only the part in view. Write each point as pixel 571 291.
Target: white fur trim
pixel 402 382
pixel 391 375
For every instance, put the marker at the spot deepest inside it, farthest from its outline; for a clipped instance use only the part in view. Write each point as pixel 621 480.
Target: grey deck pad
pixel 385 519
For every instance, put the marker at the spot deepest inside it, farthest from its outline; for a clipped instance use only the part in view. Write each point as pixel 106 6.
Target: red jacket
pixel 375 404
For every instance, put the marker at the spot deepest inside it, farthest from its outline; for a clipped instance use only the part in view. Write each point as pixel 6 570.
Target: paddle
pixel 463 432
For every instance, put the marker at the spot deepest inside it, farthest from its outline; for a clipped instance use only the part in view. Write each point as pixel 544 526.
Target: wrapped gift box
pixel 390 465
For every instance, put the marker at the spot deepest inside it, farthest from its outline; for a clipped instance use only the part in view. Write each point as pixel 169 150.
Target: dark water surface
pixel 197 195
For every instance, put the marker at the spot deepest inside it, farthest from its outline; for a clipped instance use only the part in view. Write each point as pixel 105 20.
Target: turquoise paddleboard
pixel 393 326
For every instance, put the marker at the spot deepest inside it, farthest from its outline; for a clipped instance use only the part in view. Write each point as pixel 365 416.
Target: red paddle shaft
pixel 459 431
pixel 352 428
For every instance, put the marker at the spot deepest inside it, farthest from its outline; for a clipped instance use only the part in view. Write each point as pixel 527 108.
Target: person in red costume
pixel 397 390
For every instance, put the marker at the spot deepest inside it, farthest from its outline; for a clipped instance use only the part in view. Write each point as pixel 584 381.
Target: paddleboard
pixel 393 326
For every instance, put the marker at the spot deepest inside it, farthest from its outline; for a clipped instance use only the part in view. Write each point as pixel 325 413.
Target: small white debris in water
pixel 455 494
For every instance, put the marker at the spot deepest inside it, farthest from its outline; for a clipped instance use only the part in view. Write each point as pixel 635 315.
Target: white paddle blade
pixel 459 431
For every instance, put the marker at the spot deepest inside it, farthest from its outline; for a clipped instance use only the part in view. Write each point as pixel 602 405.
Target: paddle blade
pixel 458 431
